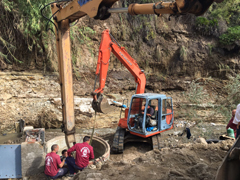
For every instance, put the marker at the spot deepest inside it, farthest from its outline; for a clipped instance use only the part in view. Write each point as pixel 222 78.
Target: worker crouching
pixel 231 124
pixel 53 164
pixel 84 153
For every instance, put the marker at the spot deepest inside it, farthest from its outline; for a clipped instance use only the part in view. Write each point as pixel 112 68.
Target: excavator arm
pixel 65 12
pixel 108 45
pixel 101 9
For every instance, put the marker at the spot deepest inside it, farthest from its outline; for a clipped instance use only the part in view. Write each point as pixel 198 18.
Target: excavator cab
pixel 149 114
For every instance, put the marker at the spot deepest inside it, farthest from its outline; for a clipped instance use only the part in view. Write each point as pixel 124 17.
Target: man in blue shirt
pixel 64 156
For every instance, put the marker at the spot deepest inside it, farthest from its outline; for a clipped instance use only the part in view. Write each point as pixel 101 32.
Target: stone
pixel 17 127
pixel 201 141
pixel 99 165
pixel 91 166
pixel 26 128
pixel 157 151
pixel 94 175
pixel 32 157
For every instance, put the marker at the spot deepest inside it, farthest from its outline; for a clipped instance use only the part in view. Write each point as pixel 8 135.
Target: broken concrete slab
pixel 32 156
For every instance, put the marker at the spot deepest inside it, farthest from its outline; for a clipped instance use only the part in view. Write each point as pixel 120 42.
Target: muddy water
pixel 100 132
pixel 206 130
pixel 10 137
pixel 15 138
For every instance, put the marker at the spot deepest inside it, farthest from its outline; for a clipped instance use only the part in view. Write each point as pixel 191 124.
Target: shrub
pixel 227 10
pixel 232 34
pixel 206 26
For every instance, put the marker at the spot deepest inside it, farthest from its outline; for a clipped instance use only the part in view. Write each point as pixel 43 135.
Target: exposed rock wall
pixel 171 53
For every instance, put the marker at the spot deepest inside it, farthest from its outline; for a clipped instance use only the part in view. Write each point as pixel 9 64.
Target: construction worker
pixel 84 153
pixel 237 120
pixel 150 113
pixel 231 124
pixel 53 164
pixel 64 156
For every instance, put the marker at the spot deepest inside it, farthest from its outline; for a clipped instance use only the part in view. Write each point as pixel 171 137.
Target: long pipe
pixel 118 10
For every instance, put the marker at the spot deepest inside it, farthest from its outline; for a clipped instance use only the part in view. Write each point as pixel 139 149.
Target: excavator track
pixel 156 144
pixel 118 140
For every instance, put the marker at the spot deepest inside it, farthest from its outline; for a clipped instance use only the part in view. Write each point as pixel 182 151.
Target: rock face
pixel 160 46
pixel 36 99
pixel 23 96
pixel 171 54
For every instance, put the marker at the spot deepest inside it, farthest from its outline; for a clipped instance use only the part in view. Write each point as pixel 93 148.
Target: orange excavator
pixel 149 114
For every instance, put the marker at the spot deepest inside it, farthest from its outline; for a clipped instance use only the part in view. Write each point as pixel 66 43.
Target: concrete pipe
pixel 101 147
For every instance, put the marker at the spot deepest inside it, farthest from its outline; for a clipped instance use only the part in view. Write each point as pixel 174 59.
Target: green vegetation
pixel 22 25
pixel 228 11
pixel 80 36
pixel 231 100
pixel 23 34
pixel 183 53
pixel 195 93
pixel 7 5
pixel 144 25
pixel 210 46
pixel 232 34
pixel 32 20
pixel 206 26
pixel 9 48
pixel 195 96
pixel 222 107
pixel 232 88
pixel 204 21
pixel 223 67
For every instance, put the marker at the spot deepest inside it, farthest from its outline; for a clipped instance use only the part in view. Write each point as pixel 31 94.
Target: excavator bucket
pixel 229 169
pixel 101 105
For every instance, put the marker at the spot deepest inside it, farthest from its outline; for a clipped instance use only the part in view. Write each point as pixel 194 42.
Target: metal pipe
pixel 118 10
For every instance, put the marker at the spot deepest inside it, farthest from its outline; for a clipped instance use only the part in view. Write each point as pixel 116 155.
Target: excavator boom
pixel 108 45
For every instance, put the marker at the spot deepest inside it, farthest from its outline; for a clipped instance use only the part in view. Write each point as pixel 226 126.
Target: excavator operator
pixel 150 110
pixel 139 120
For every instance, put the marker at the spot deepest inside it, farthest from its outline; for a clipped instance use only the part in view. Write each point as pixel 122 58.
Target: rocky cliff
pixel 171 51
